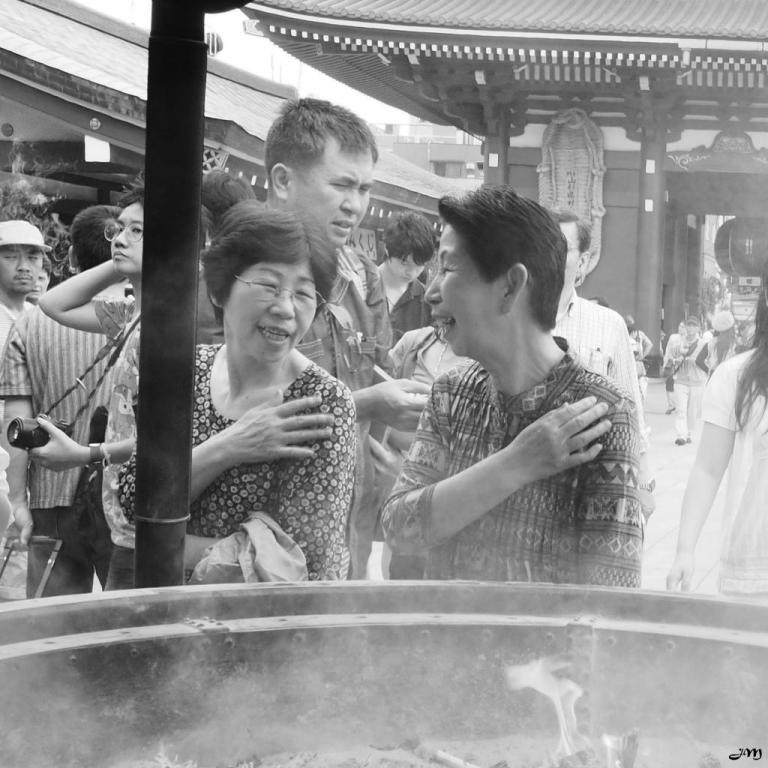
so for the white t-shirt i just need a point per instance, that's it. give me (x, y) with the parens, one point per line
(4, 461)
(744, 554)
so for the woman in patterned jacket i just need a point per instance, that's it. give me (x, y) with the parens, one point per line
(497, 486)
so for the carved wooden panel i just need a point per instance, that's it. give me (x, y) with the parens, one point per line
(571, 172)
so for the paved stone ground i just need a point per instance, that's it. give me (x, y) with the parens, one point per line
(671, 465)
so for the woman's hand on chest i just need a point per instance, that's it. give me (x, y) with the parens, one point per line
(277, 430)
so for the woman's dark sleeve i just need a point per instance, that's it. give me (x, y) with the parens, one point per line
(315, 494)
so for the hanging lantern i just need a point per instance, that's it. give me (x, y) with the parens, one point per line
(741, 246)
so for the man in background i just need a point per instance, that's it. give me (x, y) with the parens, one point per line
(409, 244)
(599, 336)
(22, 249)
(43, 359)
(43, 280)
(320, 160)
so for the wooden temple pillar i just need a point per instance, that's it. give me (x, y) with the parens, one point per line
(496, 149)
(650, 233)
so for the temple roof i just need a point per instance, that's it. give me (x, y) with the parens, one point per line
(70, 63)
(735, 19)
(97, 61)
(704, 63)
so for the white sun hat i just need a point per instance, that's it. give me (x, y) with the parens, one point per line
(723, 321)
(21, 233)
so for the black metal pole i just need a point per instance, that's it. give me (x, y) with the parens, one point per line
(174, 150)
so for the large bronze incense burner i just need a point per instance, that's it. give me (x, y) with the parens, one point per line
(222, 675)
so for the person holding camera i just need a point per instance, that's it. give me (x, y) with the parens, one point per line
(81, 302)
(42, 359)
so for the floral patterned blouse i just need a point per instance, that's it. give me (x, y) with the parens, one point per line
(309, 499)
(116, 316)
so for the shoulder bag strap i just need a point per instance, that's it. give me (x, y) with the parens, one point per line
(114, 346)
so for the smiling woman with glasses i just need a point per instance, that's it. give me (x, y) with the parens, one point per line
(273, 434)
(266, 291)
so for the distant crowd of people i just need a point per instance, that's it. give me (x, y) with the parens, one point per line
(458, 400)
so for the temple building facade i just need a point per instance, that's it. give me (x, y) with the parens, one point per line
(645, 118)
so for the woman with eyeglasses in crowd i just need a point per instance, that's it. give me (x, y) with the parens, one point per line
(87, 301)
(272, 432)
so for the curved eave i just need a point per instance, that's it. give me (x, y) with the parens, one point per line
(415, 67)
(368, 74)
(72, 100)
(729, 21)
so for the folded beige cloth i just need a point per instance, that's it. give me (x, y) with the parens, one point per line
(261, 551)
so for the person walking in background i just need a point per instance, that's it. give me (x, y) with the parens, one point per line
(690, 377)
(641, 346)
(671, 350)
(735, 436)
(409, 244)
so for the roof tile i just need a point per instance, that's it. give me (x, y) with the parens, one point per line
(116, 58)
(119, 63)
(738, 19)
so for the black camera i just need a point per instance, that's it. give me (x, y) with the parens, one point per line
(27, 433)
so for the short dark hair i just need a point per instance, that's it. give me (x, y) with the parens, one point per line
(86, 235)
(299, 134)
(583, 230)
(219, 192)
(134, 194)
(499, 229)
(410, 234)
(250, 233)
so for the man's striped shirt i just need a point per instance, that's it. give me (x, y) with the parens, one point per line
(42, 359)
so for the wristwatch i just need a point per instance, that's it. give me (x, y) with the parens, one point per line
(95, 453)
